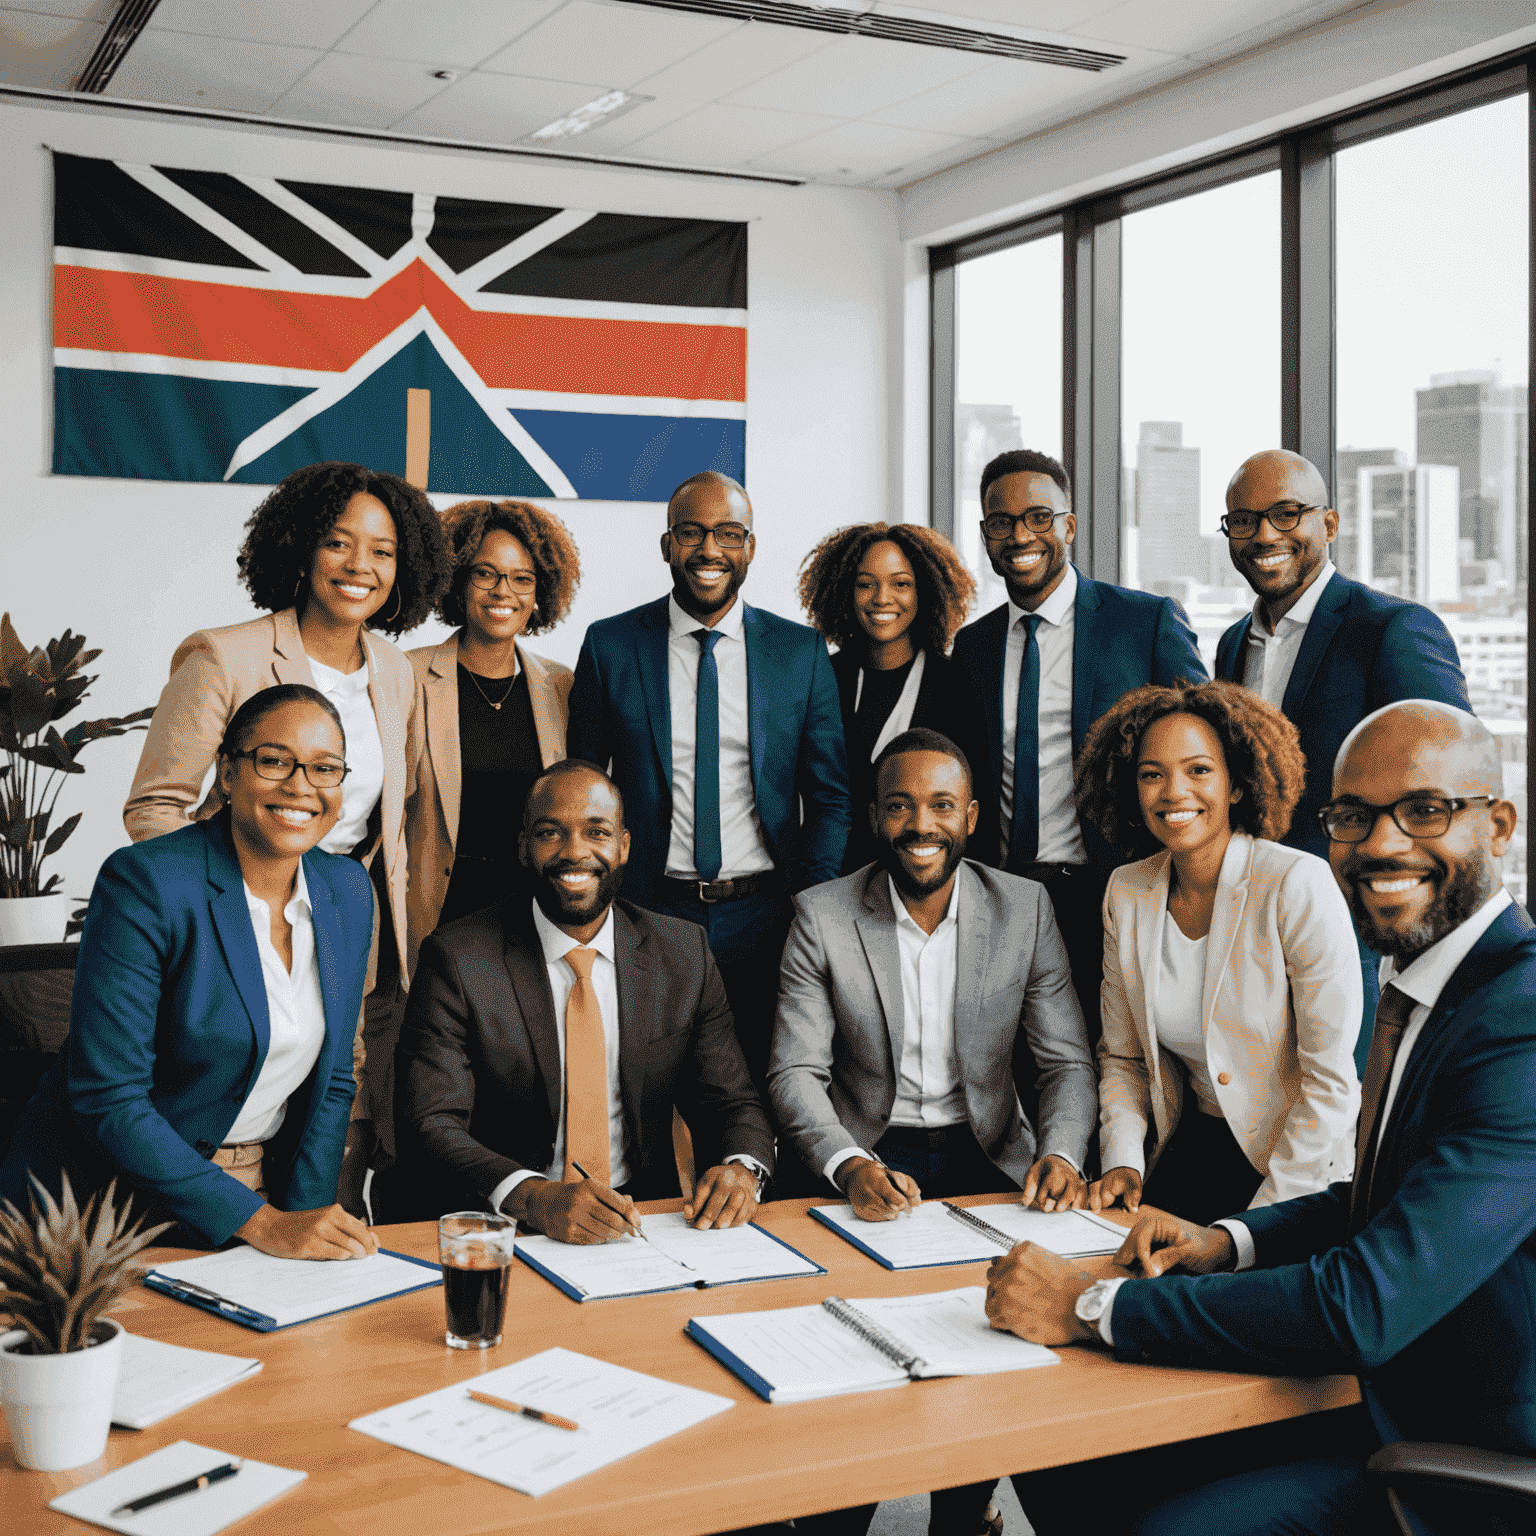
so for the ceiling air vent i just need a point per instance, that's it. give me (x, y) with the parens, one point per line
(896, 29)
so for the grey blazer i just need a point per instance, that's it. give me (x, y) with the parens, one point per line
(837, 1038)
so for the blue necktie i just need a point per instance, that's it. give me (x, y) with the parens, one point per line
(706, 761)
(1024, 835)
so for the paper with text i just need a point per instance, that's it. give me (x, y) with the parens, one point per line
(930, 1235)
(158, 1379)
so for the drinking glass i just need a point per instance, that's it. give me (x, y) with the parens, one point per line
(475, 1248)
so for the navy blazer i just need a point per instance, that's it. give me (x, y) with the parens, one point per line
(1121, 639)
(621, 715)
(1433, 1302)
(1362, 650)
(169, 1029)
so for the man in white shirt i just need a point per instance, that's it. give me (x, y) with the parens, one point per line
(546, 1043)
(1419, 1276)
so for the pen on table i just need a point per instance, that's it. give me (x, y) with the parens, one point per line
(638, 1230)
(528, 1413)
(187, 1290)
(176, 1490)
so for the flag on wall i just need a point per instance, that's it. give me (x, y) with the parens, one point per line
(220, 327)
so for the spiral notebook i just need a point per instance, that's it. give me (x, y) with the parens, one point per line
(794, 1354)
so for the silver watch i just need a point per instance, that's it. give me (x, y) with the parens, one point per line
(1093, 1302)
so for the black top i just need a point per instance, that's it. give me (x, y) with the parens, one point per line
(499, 757)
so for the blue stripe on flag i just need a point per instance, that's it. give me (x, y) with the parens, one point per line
(635, 458)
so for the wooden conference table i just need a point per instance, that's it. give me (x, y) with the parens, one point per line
(756, 1463)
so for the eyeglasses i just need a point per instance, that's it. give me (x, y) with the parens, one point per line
(275, 764)
(487, 579)
(1352, 821)
(998, 525)
(1243, 524)
(727, 535)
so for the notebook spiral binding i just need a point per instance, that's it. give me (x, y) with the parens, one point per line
(984, 1227)
(876, 1336)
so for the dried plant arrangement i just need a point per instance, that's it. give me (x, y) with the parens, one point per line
(62, 1267)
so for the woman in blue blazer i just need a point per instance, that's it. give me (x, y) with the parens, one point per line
(221, 969)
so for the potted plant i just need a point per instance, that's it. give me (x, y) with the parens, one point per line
(38, 687)
(61, 1269)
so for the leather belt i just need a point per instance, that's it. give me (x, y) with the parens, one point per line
(712, 891)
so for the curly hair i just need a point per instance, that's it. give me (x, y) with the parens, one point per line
(286, 529)
(1261, 747)
(556, 564)
(830, 573)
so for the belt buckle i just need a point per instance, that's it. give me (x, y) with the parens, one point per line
(704, 886)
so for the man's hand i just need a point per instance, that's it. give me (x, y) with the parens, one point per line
(725, 1196)
(1032, 1292)
(587, 1212)
(878, 1193)
(1160, 1242)
(1119, 1186)
(327, 1233)
(1053, 1184)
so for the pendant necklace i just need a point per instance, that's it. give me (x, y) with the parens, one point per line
(494, 703)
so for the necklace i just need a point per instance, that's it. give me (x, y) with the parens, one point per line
(494, 703)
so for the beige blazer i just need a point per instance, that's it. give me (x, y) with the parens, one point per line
(212, 674)
(1280, 1009)
(432, 816)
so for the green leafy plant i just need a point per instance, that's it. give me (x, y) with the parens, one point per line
(62, 1267)
(38, 687)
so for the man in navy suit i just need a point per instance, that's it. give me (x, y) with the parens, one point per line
(1322, 648)
(1419, 1276)
(722, 729)
(1044, 666)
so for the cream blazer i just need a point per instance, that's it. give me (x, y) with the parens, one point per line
(212, 674)
(1280, 1011)
(432, 816)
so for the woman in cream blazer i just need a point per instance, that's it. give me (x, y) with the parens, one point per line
(1227, 1078)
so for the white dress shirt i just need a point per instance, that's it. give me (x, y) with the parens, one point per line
(1061, 838)
(1178, 1020)
(742, 849)
(363, 785)
(929, 1090)
(295, 1016)
(1271, 658)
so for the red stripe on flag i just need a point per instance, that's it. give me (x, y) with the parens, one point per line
(105, 311)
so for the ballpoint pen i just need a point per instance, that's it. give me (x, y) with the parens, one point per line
(176, 1490)
(638, 1231)
(528, 1413)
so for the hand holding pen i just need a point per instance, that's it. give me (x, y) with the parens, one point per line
(588, 1212)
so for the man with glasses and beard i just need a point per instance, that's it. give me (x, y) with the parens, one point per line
(904, 985)
(542, 1035)
(1419, 1275)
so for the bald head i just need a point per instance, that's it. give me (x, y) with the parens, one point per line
(1275, 475)
(1422, 736)
(707, 486)
(573, 781)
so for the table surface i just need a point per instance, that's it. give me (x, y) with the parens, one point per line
(755, 1463)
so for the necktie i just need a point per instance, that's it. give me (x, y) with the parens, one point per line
(1024, 834)
(586, 1075)
(1392, 1011)
(706, 761)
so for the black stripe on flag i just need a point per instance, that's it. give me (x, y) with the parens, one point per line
(280, 232)
(97, 206)
(465, 231)
(629, 259)
(381, 220)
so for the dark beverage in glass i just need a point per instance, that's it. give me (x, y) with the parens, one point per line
(476, 1249)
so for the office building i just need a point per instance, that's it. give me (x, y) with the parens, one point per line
(1167, 489)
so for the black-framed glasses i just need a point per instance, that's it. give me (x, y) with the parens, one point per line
(487, 578)
(998, 525)
(1352, 821)
(727, 535)
(277, 765)
(1241, 523)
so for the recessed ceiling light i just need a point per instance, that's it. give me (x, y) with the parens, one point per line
(604, 109)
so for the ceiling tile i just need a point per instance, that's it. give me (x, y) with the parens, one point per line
(608, 45)
(434, 34)
(314, 24)
(498, 109)
(1039, 15)
(93, 10)
(856, 76)
(981, 104)
(44, 52)
(722, 135)
(1191, 24)
(197, 71)
(747, 54)
(863, 150)
(363, 93)
(620, 132)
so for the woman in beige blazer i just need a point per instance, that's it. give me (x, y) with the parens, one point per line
(1231, 994)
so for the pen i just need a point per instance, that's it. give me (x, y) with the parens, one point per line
(528, 1413)
(188, 1291)
(175, 1491)
(639, 1231)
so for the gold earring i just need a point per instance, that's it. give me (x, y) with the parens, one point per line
(396, 614)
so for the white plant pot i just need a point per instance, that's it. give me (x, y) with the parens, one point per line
(33, 919)
(59, 1407)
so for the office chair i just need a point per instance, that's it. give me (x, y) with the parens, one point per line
(36, 983)
(1446, 1489)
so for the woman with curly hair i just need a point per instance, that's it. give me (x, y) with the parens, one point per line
(1231, 993)
(891, 598)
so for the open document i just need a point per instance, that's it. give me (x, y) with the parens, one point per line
(157, 1379)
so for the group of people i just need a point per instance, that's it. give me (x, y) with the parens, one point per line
(724, 910)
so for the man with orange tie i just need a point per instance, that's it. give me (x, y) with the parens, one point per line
(546, 1043)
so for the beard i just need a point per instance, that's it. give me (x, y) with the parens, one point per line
(1460, 893)
(907, 883)
(560, 906)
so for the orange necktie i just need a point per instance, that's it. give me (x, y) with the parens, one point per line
(1393, 1009)
(586, 1075)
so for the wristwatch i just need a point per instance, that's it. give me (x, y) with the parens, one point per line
(1092, 1303)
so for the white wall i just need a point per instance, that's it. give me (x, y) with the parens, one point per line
(136, 565)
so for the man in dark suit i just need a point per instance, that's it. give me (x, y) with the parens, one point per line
(1324, 649)
(544, 1034)
(722, 729)
(1419, 1276)
(1044, 666)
